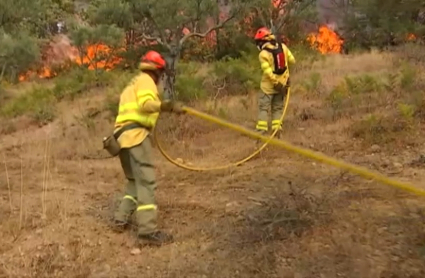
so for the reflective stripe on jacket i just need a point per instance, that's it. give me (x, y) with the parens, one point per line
(269, 79)
(132, 109)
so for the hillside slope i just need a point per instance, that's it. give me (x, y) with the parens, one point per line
(279, 215)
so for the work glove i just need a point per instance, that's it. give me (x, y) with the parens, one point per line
(172, 107)
(279, 87)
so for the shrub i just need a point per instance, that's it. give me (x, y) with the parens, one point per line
(239, 75)
(190, 82)
(379, 129)
(411, 53)
(228, 76)
(406, 111)
(359, 93)
(235, 74)
(313, 83)
(80, 80)
(336, 99)
(362, 84)
(407, 77)
(391, 83)
(17, 53)
(3, 94)
(420, 108)
(39, 103)
(305, 57)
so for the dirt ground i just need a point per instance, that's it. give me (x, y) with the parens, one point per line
(279, 215)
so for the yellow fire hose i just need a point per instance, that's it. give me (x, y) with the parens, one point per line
(361, 171)
(229, 165)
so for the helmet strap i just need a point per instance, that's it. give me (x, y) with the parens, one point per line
(155, 74)
(260, 44)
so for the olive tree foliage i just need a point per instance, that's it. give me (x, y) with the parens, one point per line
(38, 17)
(161, 23)
(379, 23)
(96, 38)
(17, 53)
(24, 26)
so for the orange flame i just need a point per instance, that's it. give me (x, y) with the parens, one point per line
(44, 72)
(326, 41)
(411, 37)
(97, 56)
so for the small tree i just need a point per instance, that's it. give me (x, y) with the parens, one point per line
(25, 25)
(17, 54)
(97, 45)
(285, 17)
(153, 22)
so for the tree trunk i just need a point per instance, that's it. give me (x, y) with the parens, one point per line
(170, 74)
(217, 33)
(3, 70)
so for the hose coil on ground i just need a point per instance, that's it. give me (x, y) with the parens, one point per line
(231, 164)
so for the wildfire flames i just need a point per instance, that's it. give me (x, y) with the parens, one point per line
(98, 56)
(326, 41)
(411, 37)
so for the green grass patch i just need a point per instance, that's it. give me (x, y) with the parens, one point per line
(39, 103)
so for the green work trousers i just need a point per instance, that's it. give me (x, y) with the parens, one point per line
(273, 103)
(140, 189)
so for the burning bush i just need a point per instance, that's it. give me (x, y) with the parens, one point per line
(93, 48)
(326, 41)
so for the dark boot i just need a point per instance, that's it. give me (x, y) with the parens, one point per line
(278, 134)
(156, 238)
(119, 226)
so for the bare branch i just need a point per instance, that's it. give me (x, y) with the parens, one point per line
(260, 14)
(150, 25)
(163, 40)
(150, 38)
(203, 35)
(296, 6)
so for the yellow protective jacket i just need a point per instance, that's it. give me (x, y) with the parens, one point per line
(139, 103)
(269, 79)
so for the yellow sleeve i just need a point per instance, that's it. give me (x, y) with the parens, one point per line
(266, 66)
(147, 100)
(290, 57)
(152, 106)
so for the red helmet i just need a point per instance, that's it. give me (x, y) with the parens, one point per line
(152, 60)
(264, 34)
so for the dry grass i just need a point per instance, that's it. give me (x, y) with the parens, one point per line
(279, 215)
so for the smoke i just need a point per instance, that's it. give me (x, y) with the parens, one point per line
(331, 12)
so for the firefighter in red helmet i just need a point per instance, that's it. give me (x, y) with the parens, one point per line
(139, 108)
(274, 59)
